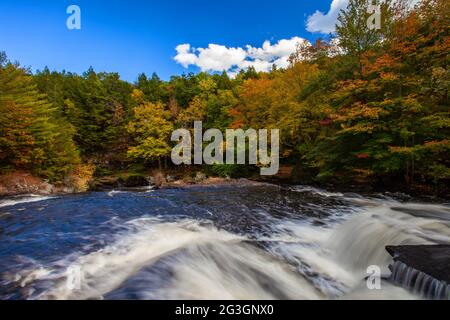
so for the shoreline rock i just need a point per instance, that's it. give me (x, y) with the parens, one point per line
(21, 183)
(117, 182)
(211, 181)
(423, 269)
(433, 260)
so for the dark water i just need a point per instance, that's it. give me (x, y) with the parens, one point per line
(228, 242)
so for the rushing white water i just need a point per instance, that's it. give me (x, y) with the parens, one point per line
(362, 240)
(25, 199)
(215, 265)
(151, 258)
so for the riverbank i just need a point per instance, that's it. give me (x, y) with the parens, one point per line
(22, 183)
(19, 183)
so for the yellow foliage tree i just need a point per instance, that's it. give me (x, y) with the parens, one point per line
(151, 129)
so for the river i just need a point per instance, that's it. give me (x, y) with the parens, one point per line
(244, 241)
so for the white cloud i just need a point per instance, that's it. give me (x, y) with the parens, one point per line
(218, 57)
(268, 51)
(258, 64)
(184, 57)
(326, 23)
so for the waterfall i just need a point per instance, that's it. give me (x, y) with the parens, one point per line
(361, 241)
(420, 283)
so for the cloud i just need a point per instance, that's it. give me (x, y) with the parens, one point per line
(326, 23)
(218, 57)
(184, 57)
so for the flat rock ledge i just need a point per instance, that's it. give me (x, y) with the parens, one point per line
(424, 269)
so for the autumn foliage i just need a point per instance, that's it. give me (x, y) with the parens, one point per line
(366, 106)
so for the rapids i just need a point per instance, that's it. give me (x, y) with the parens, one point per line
(219, 242)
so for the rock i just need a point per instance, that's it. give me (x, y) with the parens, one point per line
(170, 179)
(16, 183)
(425, 270)
(158, 179)
(200, 177)
(104, 183)
(433, 260)
(67, 190)
(46, 188)
(188, 180)
(3, 190)
(134, 181)
(112, 182)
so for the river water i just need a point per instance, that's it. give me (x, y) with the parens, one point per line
(245, 241)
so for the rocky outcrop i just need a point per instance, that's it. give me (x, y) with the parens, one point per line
(104, 183)
(425, 270)
(134, 181)
(117, 182)
(17, 183)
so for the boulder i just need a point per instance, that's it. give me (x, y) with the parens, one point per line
(433, 260)
(16, 183)
(46, 188)
(104, 183)
(425, 269)
(134, 181)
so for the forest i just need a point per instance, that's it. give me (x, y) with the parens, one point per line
(361, 106)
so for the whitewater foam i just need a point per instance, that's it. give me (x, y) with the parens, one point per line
(153, 258)
(24, 199)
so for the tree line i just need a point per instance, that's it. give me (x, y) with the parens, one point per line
(367, 106)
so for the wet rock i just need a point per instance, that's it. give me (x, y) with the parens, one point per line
(433, 259)
(134, 181)
(424, 269)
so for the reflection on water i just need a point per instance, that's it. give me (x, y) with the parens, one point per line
(227, 242)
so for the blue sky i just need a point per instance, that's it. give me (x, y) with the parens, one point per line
(137, 36)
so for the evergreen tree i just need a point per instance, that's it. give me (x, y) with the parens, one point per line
(33, 135)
